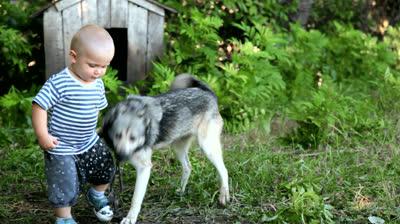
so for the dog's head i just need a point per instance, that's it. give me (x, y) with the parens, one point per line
(132, 125)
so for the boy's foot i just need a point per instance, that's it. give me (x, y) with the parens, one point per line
(65, 221)
(101, 207)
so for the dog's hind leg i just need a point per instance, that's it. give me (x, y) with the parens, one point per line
(209, 140)
(182, 149)
(141, 160)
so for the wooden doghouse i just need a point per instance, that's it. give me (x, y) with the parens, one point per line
(137, 27)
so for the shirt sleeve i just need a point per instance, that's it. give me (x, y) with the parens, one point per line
(103, 100)
(47, 96)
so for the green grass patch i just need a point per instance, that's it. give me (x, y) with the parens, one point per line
(268, 184)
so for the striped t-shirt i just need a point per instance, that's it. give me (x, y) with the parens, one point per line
(73, 109)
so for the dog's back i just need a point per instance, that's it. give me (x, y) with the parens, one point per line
(187, 103)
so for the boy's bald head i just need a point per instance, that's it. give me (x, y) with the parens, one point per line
(93, 40)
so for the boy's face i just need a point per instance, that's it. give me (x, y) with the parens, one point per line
(88, 66)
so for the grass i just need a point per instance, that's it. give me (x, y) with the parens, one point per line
(269, 183)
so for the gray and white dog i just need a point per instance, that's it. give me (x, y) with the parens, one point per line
(140, 124)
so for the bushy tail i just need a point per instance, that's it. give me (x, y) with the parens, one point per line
(185, 80)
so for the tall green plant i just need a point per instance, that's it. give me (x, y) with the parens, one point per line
(251, 87)
(19, 44)
(194, 49)
(15, 107)
(14, 48)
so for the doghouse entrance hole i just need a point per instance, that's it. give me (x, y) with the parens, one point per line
(120, 60)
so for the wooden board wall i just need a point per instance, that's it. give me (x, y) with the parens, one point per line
(155, 36)
(144, 21)
(72, 22)
(53, 41)
(137, 43)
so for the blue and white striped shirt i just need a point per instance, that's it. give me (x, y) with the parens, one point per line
(73, 109)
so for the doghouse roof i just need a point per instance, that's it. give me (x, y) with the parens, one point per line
(60, 7)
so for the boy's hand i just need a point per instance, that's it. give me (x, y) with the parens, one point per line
(48, 142)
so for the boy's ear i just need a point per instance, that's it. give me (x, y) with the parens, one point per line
(72, 55)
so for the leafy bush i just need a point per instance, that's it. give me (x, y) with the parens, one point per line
(196, 49)
(13, 48)
(162, 79)
(20, 44)
(16, 108)
(333, 83)
(307, 205)
(113, 86)
(247, 81)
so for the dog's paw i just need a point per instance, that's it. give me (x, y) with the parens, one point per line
(128, 220)
(180, 191)
(224, 196)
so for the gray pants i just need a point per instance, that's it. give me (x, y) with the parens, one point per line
(66, 173)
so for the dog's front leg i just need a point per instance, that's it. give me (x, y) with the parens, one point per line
(141, 160)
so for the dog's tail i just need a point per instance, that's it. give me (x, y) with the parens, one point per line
(185, 80)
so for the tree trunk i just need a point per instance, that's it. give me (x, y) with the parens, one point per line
(303, 11)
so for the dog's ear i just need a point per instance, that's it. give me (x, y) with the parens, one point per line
(152, 131)
(108, 121)
(153, 114)
(152, 108)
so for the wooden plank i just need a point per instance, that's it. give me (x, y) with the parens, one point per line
(163, 6)
(137, 43)
(155, 36)
(72, 22)
(89, 12)
(119, 13)
(104, 13)
(149, 6)
(53, 41)
(61, 5)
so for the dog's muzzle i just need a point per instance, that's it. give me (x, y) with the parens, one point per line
(122, 156)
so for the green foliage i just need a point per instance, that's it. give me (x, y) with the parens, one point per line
(389, 92)
(113, 86)
(13, 48)
(196, 49)
(248, 80)
(248, 11)
(14, 14)
(257, 11)
(355, 55)
(330, 82)
(347, 12)
(162, 79)
(16, 108)
(392, 40)
(306, 50)
(317, 116)
(20, 44)
(307, 205)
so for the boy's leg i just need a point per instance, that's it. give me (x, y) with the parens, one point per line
(62, 182)
(101, 187)
(63, 216)
(64, 212)
(98, 167)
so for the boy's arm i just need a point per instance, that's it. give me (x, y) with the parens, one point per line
(39, 123)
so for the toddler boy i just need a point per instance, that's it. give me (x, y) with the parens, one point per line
(64, 118)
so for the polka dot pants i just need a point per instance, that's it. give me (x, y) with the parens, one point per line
(66, 173)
